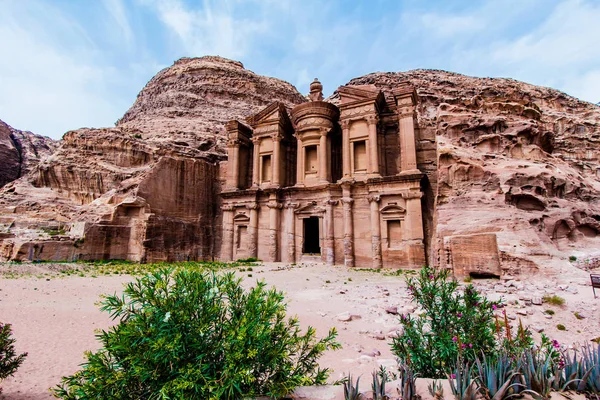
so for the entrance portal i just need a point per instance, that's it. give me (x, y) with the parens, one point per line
(311, 236)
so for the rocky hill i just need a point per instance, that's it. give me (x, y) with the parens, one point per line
(21, 151)
(146, 189)
(501, 157)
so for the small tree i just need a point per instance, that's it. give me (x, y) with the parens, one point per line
(196, 335)
(9, 360)
(451, 322)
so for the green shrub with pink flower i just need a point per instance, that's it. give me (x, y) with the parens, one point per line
(452, 322)
(457, 335)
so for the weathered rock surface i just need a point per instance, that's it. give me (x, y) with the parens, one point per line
(513, 172)
(20, 152)
(146, 189)
(504, 158)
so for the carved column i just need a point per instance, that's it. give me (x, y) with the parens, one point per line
(291, 232)
(300, 161)
(414, 218)
(348, 226)
(253, 230)
(406, 129)
(346, 149)
(227, 244)
(274, 208)
(256, 162)
(375, 231)
(276, 160)
(329, 242)
(233, 180)
(323, 156)
(373, 145)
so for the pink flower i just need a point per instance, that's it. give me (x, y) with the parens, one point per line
(494, 307)
(555, 344)
(470, 345)
(459, 315)
(453, 376)
(462, 346)
(454, 339)
(430, 276)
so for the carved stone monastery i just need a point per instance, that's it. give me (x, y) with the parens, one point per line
(337, 184)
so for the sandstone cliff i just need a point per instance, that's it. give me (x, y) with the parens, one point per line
(146, 189)
(509, 165)
(508, 158)
(21, 151)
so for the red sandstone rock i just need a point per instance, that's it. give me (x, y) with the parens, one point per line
(20, 152)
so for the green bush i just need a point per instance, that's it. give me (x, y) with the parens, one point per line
(9, 360)
(554, 300)
(452, 323)
(198, 335)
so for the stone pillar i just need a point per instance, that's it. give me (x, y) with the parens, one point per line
(290, 229)
(276, 160)
(227, 240)
(346, 149)
(373, 145)
(348, 226)
(300, 162)
(323, 157)
(375, 231)
(406, 129)
(233, 155)
(256, 162)
(253, 230)
(274, 208)
(414, 220)
(329, 242)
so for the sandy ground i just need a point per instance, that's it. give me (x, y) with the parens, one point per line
(54, 319)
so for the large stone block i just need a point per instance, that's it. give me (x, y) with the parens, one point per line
(475, 254)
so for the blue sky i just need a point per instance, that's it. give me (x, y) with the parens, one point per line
(66, 64)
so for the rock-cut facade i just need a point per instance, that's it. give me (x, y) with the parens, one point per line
(326, 182)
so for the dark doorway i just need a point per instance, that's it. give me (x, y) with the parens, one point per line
(311, 236)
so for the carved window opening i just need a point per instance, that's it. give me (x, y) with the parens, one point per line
(242, 231)
(394, 231)
(266, 168)
(312, 159)
(360, 156)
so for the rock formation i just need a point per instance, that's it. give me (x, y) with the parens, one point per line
(21, 151)
(513, 172)
(146, 190)
(511, 166)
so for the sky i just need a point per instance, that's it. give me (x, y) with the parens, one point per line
(67, 64)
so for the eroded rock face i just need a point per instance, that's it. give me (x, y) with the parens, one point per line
(147, 189)
(20, 152)
(506, 158)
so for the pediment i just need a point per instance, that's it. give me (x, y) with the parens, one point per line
(310, 208)
(359, 95)
(393, 211)
(273, 113)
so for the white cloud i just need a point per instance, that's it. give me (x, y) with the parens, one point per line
(117, 11)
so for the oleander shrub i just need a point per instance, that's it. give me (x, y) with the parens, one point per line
(185, 334)
(452, 322)
(9, 359)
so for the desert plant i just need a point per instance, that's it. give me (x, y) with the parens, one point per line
(9, 360)
(461, 383)
(194, 334)
(436, 389)
(452, 322)
(380, 378)
(495, 376)
(537, 369)
(408, 381)
(553, 300)
(590, 355)
(351, 391)
(561, 327)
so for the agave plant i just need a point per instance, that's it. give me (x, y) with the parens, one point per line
(351, 391)
(496, 376)
(408, 378)
(461, 382)
(436, 389)
(571, 373)
(538, 373)
(590, 355)
(379, 379)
